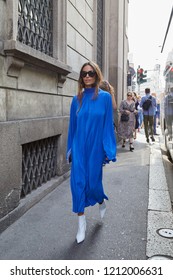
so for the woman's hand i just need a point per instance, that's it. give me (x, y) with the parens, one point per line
(106, 160)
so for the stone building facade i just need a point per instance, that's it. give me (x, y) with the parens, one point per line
(43, 44)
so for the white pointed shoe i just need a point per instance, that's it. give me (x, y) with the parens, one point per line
(102, 209)
(81, 229)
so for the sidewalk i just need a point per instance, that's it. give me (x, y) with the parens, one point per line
(129, 231)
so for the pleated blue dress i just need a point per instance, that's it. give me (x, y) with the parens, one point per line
(91, 139)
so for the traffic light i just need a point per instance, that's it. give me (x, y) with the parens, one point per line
(138, 75)
(141, 76)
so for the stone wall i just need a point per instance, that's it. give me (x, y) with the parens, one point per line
(36, 89)
(80, 32)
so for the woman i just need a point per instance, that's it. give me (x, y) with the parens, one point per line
(135, 99)
(105, 85)
(91, 141)
(126, 128)
(140, 114)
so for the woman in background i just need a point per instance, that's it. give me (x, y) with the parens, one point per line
(135, 99)
(140, 114)
(126, 128)
(105, 85)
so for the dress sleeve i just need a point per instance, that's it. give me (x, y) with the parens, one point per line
(72, 127)
(109, 140)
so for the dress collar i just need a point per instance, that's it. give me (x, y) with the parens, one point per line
(89, 90)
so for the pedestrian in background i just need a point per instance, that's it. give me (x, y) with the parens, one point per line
(140, 114)
(148, 114)
(135, 99)
(91, 141)
(106, 86)
(158, 113)
(126, 128)
(155, 115)
(155, 110)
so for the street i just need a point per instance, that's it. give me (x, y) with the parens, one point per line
(47, 231)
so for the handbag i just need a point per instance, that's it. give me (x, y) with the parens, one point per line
(124, 117)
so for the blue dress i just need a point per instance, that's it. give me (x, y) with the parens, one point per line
(91, 139)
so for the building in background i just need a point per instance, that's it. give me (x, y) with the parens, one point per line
(43, 44)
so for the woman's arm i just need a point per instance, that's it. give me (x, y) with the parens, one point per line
(114, 103)
(72, 127)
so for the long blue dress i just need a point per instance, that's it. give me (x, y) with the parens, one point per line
(91, 139)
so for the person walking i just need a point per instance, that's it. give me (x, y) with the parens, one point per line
(140, 114)
(91, 142)
(127, 120)
(158, 113)
(148, 103)
(155, 115)
(135, 99)
(106, 86)
(154, 121)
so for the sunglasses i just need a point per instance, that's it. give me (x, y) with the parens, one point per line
(89, 73)
(129, 95)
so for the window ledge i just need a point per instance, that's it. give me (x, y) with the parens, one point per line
(19, 54)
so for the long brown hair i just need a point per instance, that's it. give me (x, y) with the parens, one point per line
(99, 78)
(105, 85)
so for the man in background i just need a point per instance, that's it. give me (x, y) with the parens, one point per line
(148, 114)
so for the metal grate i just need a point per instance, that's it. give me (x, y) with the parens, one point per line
(35, 23)
(100, 33)
(39, 163)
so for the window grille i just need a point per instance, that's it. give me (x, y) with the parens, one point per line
(39, 163)
(99, 33)
(35, 23)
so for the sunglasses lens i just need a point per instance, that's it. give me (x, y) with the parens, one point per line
(83, 74)
(90, 74)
